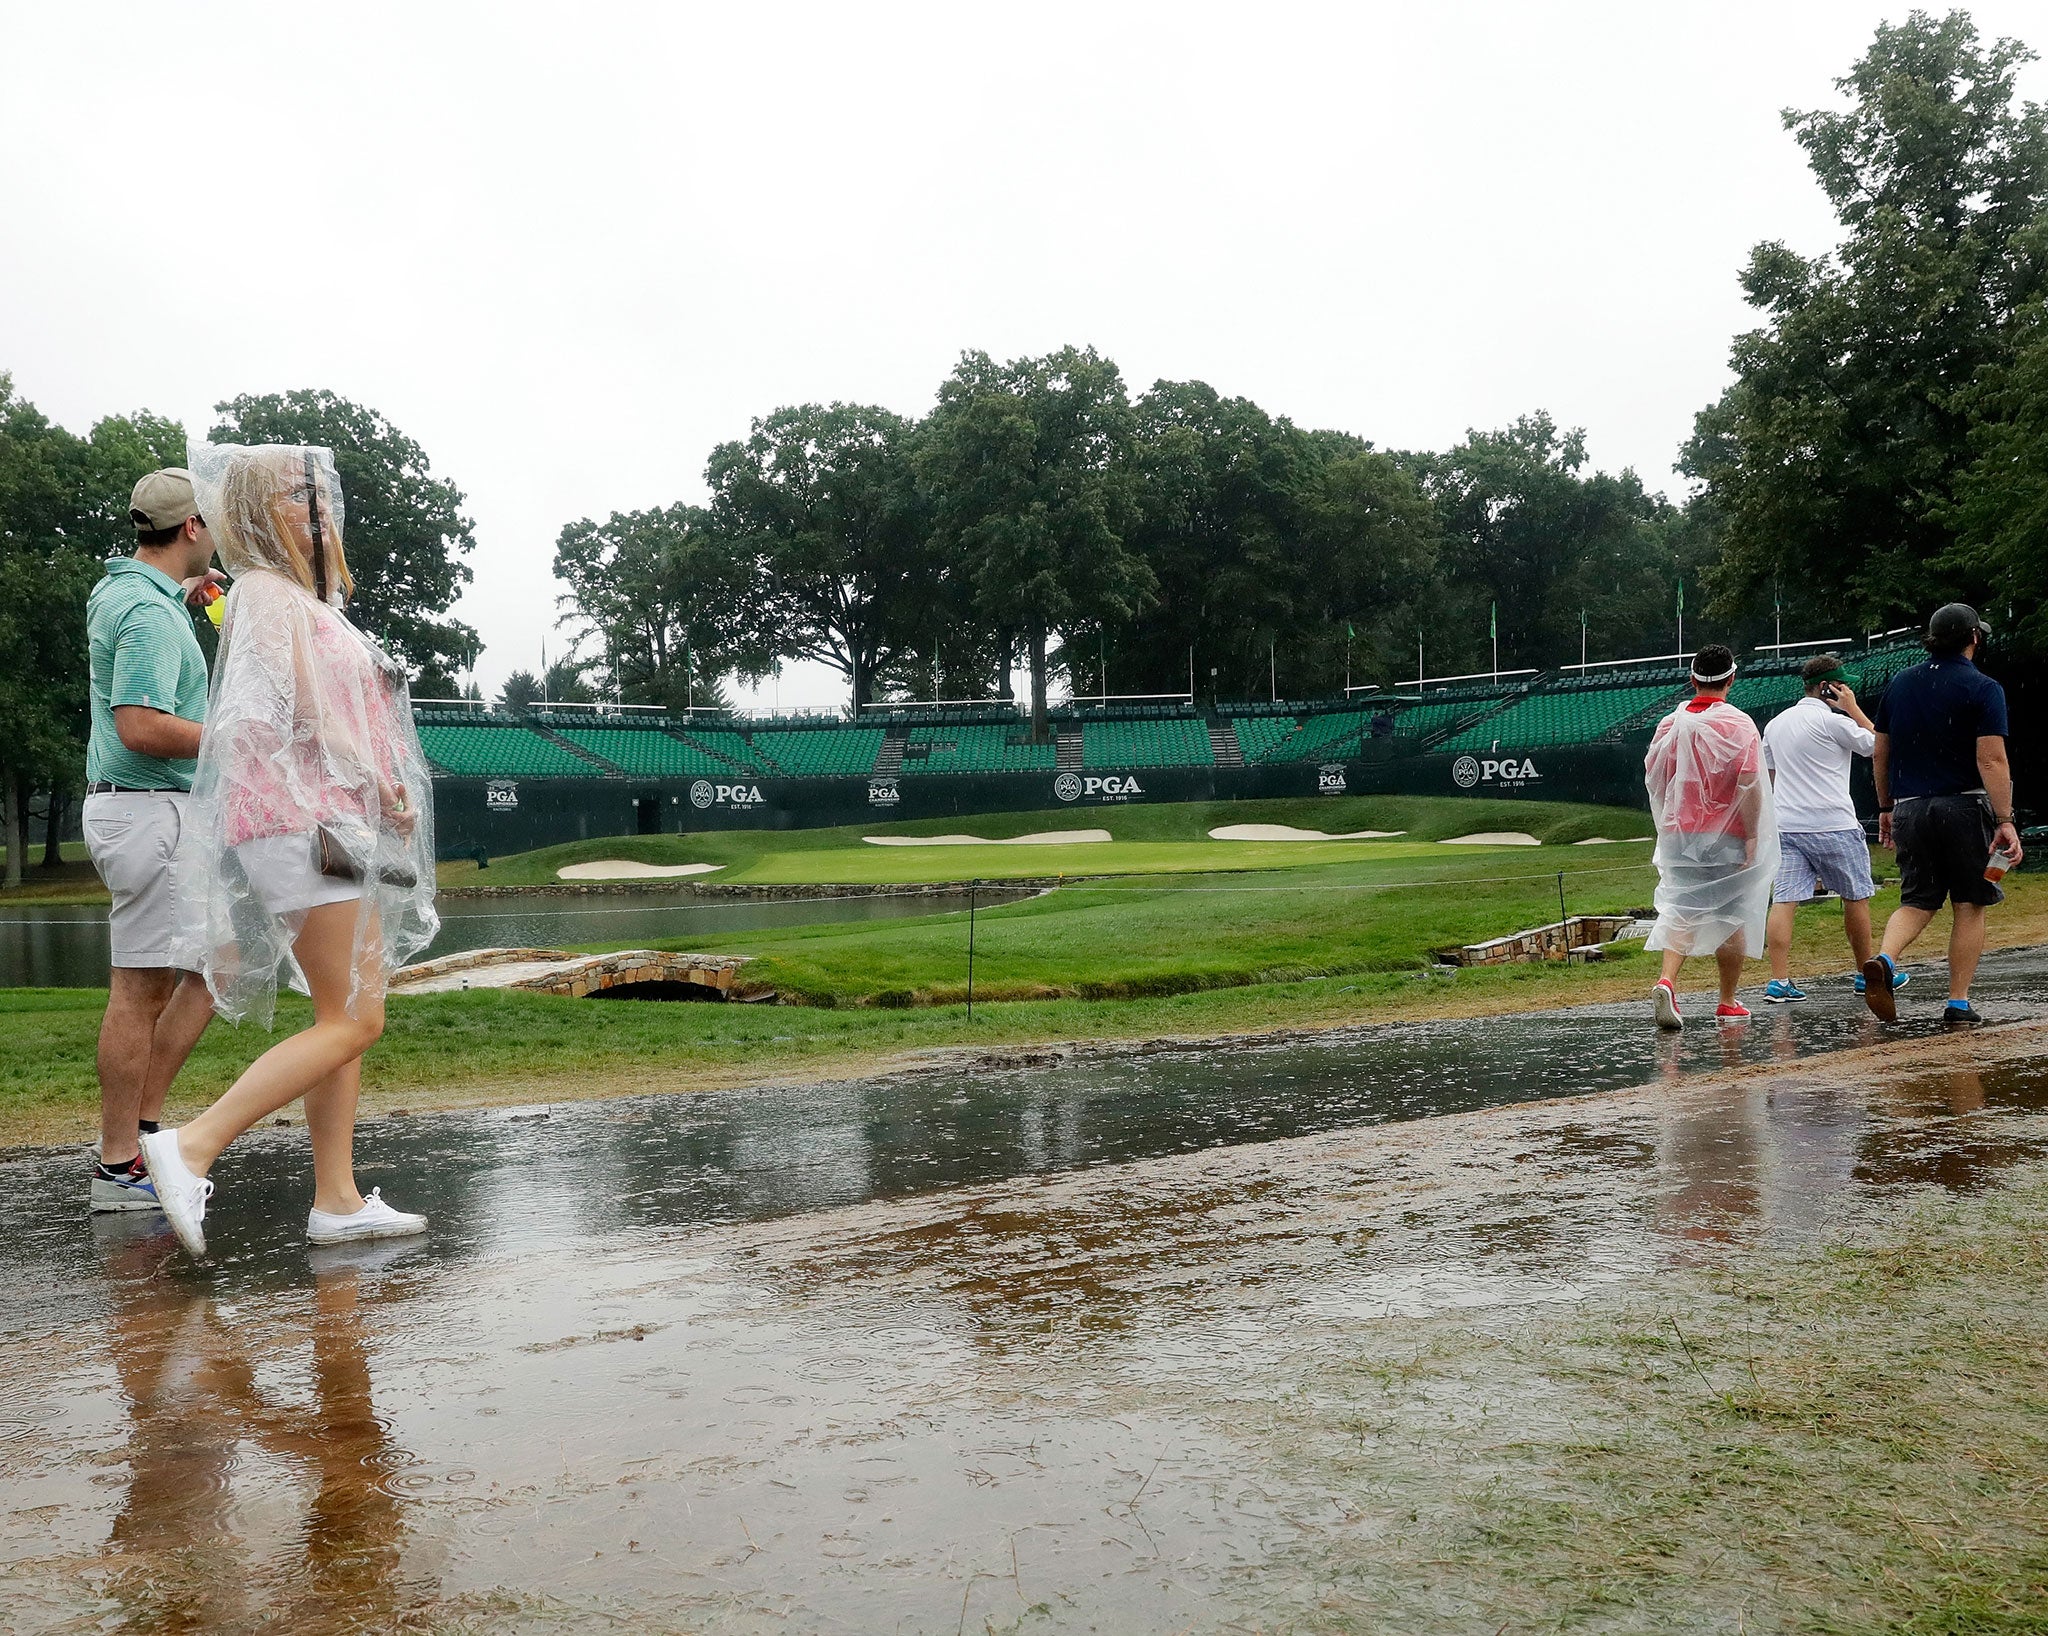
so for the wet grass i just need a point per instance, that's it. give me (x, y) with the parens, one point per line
(496, 1047)
(1132, 938)
(1847, 1440)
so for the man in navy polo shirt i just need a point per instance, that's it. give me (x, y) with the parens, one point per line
(1944, 802)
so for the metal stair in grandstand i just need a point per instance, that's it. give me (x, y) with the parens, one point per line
(573, 748)
(1223, 745)
(1068, 756)
(712, 750)
(889, 759)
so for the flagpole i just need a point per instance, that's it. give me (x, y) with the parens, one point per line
(1493, 624)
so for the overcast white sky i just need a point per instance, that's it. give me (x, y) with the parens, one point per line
(568, 249)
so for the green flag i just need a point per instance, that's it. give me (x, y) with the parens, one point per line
(1681, 596)
(1349, 633)
(1493, 621)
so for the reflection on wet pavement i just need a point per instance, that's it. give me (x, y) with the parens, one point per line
(924, 1355)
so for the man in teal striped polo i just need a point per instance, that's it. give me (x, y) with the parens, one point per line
(148, 702)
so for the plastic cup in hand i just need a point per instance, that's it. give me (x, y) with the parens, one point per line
(2001, 861)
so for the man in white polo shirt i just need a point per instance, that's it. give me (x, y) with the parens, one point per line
(1809, 750)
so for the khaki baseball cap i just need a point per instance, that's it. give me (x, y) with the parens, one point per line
(163, 499)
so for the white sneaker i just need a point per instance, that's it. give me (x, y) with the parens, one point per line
(376, 1219)
(182, 1195)
(1665, 998)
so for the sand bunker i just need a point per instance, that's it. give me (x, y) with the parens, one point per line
(1618, 840)
(625, 869)
(1287, 832)
(1044, 837)
(1493, 837)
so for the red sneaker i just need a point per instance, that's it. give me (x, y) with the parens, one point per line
(1665, 998)
(1732, 1013)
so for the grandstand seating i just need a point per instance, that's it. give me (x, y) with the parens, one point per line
(985, 749)
(735, 749)
(1763, 696)
(820, 751)
(475, 741)
(1180, 741)
(500, 752)
(1259, 735)
(646, 753)
(1570, 715)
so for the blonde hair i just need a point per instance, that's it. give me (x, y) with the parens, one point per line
(279, 507)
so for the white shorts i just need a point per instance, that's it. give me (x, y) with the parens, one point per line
(284, 873)
(133, 842)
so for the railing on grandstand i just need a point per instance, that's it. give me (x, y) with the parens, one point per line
(1426, 682)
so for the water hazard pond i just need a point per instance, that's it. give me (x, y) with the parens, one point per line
(65, 945)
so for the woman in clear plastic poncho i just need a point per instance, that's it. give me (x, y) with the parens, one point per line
(1717, 843)
(307, 851)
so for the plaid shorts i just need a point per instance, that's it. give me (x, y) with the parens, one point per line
(1838, 860)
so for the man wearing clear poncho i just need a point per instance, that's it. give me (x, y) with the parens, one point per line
(1717, 841)
(307, 852)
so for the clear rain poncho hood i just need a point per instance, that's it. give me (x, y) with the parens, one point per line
(1717, 837)
(308, 730)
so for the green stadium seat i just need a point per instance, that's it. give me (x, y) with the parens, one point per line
(646, 752)
(1258, 736)
(1572, 714)
(820, 752)
(1177, 741)
(984, 749)
(501, 752)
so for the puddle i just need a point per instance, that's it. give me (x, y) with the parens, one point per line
(65, 945)
(920, 1355)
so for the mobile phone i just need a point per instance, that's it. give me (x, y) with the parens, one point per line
(1829, 692)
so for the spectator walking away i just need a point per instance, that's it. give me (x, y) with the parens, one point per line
(1716, 842)
(1944, 803)
(148, 698)
(1809, 750)
(308, 850)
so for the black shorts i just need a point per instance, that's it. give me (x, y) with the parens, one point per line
(1944, 842)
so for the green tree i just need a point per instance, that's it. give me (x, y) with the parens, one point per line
(63, 512)
(2002, 497)
(1832, 461)
(520, 693)
(406, 534)
(822, 503)
(669, 601)
(1277, 552)
(1529, 532)
(1027, 469)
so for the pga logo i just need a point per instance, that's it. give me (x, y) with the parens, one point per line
(882, 792)
(1330, 778)
(502, 796)
(704, 793)
(1467, 771)
(1110, 786)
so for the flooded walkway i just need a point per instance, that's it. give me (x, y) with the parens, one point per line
(950, 1352)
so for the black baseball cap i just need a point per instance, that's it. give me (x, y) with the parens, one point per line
(1955, 626)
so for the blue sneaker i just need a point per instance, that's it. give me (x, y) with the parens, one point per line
(123, 1187)
(1779, 991)
(1900, 978)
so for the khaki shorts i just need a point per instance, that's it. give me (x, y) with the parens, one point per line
(133, 840)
